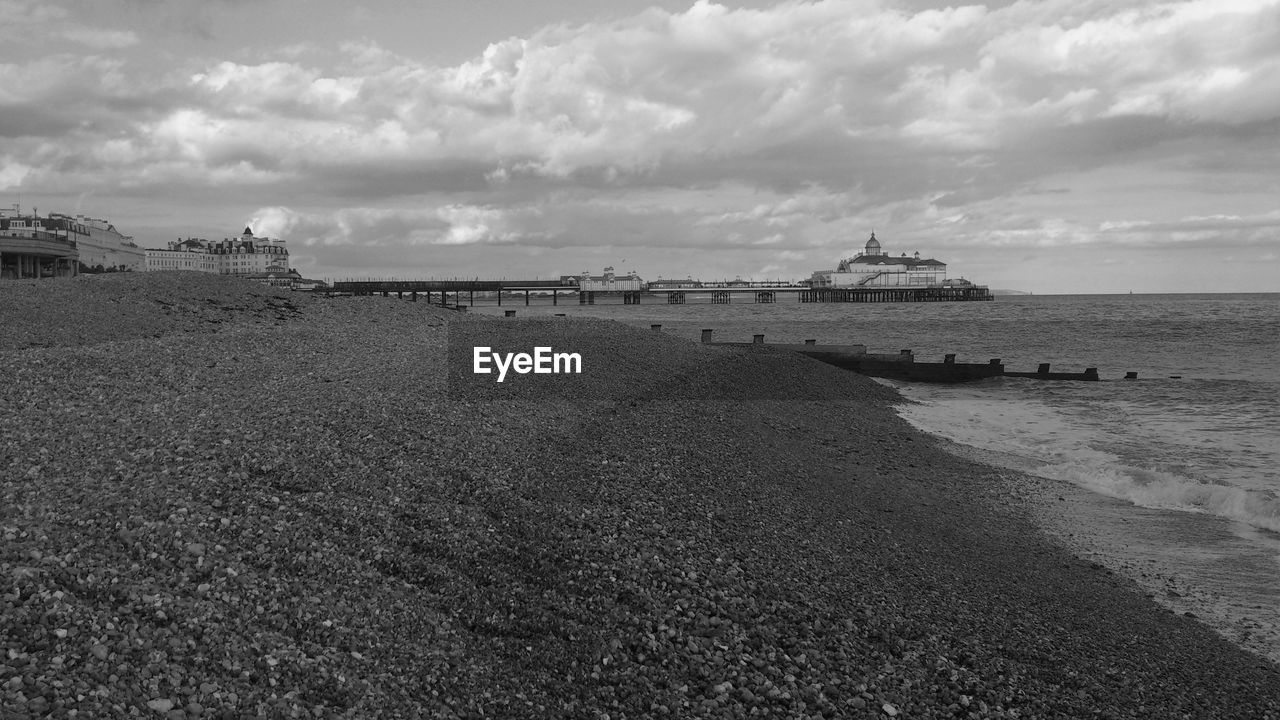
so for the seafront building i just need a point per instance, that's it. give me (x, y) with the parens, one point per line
(608, 282)
(102, 248)
(29, 250)
(873, 267)
(244, 255)
(260, 259)
(60, 245)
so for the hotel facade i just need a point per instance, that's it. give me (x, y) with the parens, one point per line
(245, 255)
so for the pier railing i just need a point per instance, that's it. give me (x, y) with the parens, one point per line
(714, 293)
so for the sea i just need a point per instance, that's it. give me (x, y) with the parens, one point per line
(1171, 479)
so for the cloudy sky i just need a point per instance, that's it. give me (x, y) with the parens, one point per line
(1051, 146)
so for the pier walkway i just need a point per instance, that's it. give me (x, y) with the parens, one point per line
(714, 293)
(413, 288)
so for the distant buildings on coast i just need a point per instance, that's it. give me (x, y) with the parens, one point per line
(62, 246)
(58, 245)
(261, 259)
(243, 255)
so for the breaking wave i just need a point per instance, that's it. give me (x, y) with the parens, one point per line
(1108, 475)
(1072, 445)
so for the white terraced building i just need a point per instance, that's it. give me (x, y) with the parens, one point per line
(245, 255)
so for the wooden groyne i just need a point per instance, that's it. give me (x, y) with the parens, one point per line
(903, 365)
(1042, 373)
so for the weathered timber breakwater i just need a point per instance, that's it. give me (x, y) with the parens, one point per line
(221, 501)
(903, 365)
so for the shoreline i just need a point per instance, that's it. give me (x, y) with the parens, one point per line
(291, 508)
(1175, 568)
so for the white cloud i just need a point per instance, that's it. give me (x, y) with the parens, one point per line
(445, 224)
(12, 175)
(799, 126)
(469, 225)
(710, 85)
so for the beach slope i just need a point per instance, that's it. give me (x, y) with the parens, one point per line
(223, 500)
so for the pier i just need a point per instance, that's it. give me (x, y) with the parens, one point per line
(897, 294)
(712, 293)
(427, 288)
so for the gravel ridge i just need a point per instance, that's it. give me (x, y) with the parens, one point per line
(224, 500)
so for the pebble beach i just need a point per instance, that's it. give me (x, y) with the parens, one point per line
(219, 499)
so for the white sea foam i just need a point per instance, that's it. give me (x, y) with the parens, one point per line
(1196, 542)
(1105, 473)
(1034, 437)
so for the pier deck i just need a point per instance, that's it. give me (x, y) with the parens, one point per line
(713, 293)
